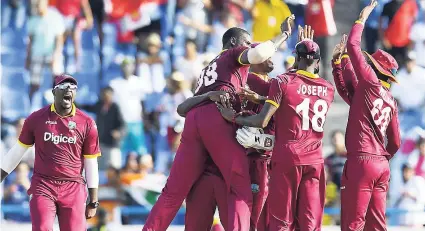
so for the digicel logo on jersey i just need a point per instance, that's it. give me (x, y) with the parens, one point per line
(56, 139)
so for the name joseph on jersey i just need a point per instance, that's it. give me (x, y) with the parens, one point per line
(312, 90)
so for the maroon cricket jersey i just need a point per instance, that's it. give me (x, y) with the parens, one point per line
(373, 112)
(303, 100)
(226, 73)
(61, 143)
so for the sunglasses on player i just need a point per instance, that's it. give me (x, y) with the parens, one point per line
(64, 86)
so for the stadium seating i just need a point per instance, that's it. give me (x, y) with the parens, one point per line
(15, 78)
(14, 104)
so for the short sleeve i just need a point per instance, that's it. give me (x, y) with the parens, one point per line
(236, 54)
(26, 138)
(91, 147)
(275, 92)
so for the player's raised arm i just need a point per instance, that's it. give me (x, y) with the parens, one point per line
(267, 49)
(337, 71)
(349, 75)
(362, 69)
(215, 96)
(393, 135)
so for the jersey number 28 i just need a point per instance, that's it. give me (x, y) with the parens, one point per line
(320, 108)
(208, 76)
(381, 116)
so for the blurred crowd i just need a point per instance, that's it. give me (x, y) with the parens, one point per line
(137, 60)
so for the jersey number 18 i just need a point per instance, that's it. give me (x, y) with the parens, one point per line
(320, 108)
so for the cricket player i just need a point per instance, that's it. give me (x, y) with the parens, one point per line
(205, 196)
(66, 143)
(207, 134)
(301, 101)
(372, 135)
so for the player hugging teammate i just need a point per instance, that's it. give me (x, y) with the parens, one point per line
(225, 157)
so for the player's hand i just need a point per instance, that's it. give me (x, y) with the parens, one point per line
(246, 136)
(227, 112)
(250, 137)
(364, 14)
(249, 95)
(340, 48)
(287, 24)
(221, 97)
(90, 212)
(305, 33)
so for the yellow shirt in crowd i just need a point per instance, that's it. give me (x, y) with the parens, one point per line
(268, 15)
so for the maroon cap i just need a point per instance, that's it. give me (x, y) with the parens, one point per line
(385, 63)
(308, 49)
(64, 78)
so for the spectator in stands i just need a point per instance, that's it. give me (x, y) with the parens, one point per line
(319, 14)
(417, 158)
(417, 39)
(152, 64)
(111, 126)
(371, 30)
(190, 65)
(400, 16)
(130, 171)
(215, 31)
(113, 177)
(16, 192)
(331, 198)
(267, 16)
(71, 11)
(335, 162)
(195, 11)
(129, 91)
(45, 30)
(410, 198)
(146, 165)
(11, 139)
(411, 79)
(170, 123)
(13, 13)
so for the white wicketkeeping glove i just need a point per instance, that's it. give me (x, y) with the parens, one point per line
(250, 137)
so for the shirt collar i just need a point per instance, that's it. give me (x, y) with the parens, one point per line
(385, 84)
(74, 109)
(307, 74)
(263, 77)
